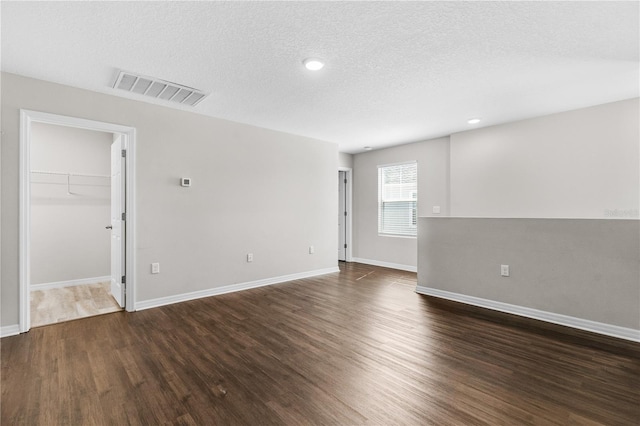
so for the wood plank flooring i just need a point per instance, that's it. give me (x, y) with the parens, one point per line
(358, 347)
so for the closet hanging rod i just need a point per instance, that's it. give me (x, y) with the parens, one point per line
(44, 172)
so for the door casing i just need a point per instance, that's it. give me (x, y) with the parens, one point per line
(27, 117)
(349, 208)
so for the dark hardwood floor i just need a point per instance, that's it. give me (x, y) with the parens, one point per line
(358, 347)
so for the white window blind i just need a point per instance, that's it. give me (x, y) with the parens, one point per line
(398, 199)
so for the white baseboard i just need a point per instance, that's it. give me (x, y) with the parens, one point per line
(579, 323)
(9, 330)
(70, 283)
(399, 266)
(154, 303)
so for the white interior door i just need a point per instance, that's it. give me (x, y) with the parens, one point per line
(342, 219)
(117, 224)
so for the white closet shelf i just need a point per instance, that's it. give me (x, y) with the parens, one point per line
(45, 172)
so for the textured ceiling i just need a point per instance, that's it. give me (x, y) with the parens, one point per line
(395, 72)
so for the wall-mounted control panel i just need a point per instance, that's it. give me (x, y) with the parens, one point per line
(185, 181)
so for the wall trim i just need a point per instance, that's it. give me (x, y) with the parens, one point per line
(399, 266)
(9, 330)
(162, 301)
(568, 321)
(69, 283)
(529, 218)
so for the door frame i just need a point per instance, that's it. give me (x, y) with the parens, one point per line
(349, 206)
(27, 117)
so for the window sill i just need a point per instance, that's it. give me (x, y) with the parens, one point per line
(413, 237)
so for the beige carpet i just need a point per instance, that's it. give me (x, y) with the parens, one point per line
(68, 303)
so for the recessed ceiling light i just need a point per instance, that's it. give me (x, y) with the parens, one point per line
(474, 121)
(313, 64)
(367, 148)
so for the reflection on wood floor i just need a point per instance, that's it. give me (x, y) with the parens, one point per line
(55, 305)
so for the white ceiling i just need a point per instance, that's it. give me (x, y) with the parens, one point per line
(395, 72)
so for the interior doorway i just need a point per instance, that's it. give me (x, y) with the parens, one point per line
(76, 250)
(344, 214)
(71, 195)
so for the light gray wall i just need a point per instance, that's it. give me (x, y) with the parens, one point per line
(68, 236)
(579, 164)
(433, 178)
(583, 268)
(576, 164)
(254, 190)
(345, 160)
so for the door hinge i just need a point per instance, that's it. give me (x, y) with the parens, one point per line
(345, 213)
(124, 279)
(124, 152)
(345, 181)
(124, 216)
(345, 246)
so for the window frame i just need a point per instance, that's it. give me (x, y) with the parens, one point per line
(410, 211)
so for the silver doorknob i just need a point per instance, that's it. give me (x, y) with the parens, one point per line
(108, 227)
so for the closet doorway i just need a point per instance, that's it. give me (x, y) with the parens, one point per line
(76, 218)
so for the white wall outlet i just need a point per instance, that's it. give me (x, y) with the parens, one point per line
(311, 250)
(249, 257)
(436, 210)
(504, 270)
(155, 268)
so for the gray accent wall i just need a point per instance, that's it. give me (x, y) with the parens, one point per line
(583, 268)
(253, 190)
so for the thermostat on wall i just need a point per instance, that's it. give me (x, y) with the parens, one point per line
(185, 181)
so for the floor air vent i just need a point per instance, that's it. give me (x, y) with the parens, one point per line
(159, 89)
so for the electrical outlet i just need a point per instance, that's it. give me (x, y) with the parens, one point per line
(311, 250)
(155, 268)
(249, 257)
(436, 210)
(504, 270)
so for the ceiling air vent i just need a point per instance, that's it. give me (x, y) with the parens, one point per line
(159, 89)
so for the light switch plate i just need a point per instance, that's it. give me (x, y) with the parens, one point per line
(504, 270)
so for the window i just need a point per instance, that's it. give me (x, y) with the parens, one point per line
(398, 199)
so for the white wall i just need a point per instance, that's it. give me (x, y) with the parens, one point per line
(254, 190)
(345, 160)
(433, 177)
(68, 236)
(576, 164)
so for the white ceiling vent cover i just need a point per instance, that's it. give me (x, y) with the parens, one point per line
(159, 89)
